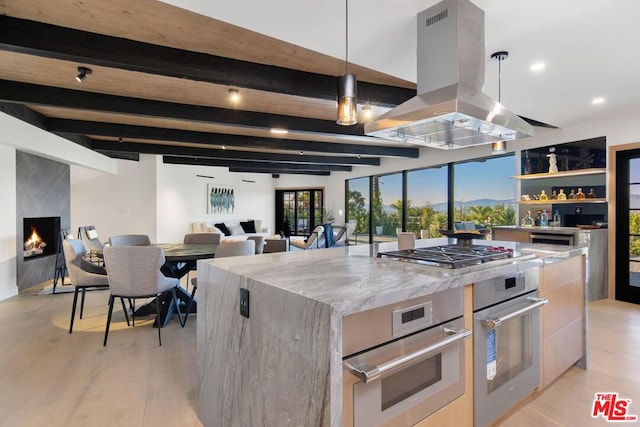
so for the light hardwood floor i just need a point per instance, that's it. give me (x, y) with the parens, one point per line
(51, 378)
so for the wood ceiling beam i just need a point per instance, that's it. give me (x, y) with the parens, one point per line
(51, 41)
(177, 135)
(267, 167)
(290, 172)
(11, 91)
(145, 148)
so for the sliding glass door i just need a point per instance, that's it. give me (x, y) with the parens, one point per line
(302, 210)
(628, 226)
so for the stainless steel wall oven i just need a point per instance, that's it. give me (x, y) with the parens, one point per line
(403, 362)
(506, 343)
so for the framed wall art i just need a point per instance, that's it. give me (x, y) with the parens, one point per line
(220, 199)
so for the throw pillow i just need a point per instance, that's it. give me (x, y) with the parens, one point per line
(213, 229)
(248, 226)
(223, 228)
(235, 230)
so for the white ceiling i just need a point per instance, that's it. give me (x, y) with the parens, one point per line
(590, 47)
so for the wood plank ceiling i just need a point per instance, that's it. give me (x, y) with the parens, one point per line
(160, 80)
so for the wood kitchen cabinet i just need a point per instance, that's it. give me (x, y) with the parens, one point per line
(510, 235)
(563, 318)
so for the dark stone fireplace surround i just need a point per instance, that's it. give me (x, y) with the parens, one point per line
(43, 189)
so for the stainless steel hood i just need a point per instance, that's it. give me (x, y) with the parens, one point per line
(450, 110)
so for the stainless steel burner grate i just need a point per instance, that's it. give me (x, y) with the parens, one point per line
(451, 256)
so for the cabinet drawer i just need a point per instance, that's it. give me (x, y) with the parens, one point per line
(566, 304)
(562, 272)
(561, 350)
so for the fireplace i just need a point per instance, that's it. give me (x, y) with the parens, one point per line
(40, 236)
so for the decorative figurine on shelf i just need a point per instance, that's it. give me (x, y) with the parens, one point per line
(543, 195)
(561, 195)
(525, 197)
(580, 194)
(553, 163)
(554, 195)
(572, 194)
(527, 220)
(591, 194)
(527, 163)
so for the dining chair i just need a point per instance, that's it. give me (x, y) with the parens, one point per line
(89, 235)
(225, 249)
(80, 274)
(130, 240)
(202, 239)
(314, 237)
(60, 271)
(134, 272)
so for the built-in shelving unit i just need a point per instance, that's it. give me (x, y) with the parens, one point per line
(563, 174)
(559, 202)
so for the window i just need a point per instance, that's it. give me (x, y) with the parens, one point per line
(357, 191)
(484, 192)
(427, 201)
(386, 206)
(303, 209)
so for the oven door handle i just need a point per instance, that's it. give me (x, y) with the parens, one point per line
(367, 373)
(494, 322)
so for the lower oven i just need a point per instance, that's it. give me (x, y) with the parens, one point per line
(403, 362)
(506, 343)
(553, 239)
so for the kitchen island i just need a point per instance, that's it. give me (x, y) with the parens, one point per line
(282, 366)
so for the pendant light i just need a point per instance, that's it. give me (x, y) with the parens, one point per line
(347, 84)
(499, 147)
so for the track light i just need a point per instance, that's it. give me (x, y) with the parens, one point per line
(83, 72)
(234, 95)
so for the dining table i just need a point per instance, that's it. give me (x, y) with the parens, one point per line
(180, 259)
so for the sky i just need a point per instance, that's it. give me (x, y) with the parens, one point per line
(490, 179)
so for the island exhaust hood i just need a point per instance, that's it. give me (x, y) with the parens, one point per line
(450, 110)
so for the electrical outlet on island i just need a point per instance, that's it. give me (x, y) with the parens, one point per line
(244, 302)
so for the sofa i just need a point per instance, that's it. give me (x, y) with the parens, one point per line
(232, 229)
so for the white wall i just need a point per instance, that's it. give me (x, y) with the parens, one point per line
(8, 275)
(116, 204)
(182, 198)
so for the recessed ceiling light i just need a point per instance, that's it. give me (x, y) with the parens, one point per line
(598, 100)
(234, 95)
(279, 131)
(224, 147)
(538, 66)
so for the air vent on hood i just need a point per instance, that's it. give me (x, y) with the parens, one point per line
(450, 110)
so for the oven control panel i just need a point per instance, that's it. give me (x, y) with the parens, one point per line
(411, 319)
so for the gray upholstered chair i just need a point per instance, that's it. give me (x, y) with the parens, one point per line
(314, 240)
(226, 249)
(89, 235)
(80, 274)
(134, 272)
(130, 240)
(202, 238)
(260, 240)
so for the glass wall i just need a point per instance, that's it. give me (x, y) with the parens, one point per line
(386, 206)
(427, 201)
(357, 191)
(484, 191)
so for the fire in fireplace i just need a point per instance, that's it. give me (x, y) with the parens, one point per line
(40, 236)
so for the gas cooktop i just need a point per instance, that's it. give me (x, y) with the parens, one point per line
(453, 256)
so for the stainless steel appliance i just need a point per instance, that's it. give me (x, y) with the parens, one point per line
(455, 256)
(506, 344)
(404, 361)
(552, 238)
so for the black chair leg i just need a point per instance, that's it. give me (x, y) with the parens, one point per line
(124, 309)
(82, 303)
(158, 320)
(106, 331)
(73, 308)
(190, 304)
(177, 304)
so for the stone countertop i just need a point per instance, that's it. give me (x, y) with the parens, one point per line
(352, 279)
(552, 230)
